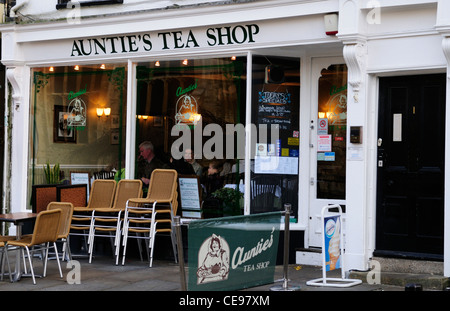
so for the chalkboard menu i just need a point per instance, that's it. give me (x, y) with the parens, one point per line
(275, 108)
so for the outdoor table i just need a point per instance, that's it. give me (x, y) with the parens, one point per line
(18, 219)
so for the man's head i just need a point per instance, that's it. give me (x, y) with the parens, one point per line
(189, 155)
(146, 151)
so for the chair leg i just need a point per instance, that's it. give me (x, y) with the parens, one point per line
(91, 245)
(152, 244)
(174, 245)
(138, 241)
(23, 259)
(31, 265)
(5, 253)
(47, 245)
(57, 259)
(117, 245)
(124, 241)
(67, 244)
(9, 267)
(2, 263)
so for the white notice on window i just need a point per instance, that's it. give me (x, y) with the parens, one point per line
(276, 165)
(323, 143)
(397, 127)
(189, 193)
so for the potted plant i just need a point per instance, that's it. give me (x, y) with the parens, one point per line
(52, 174)
(230, 199)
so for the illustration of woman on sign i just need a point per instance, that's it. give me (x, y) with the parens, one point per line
(215, 266)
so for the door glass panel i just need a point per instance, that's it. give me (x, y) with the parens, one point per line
(275, 149)
(331, 133)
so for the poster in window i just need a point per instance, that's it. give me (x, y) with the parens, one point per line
(275, 108)
(62, 132)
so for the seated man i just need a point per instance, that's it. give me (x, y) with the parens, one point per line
(149, 162)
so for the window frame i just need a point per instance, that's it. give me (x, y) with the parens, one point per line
(62, 4)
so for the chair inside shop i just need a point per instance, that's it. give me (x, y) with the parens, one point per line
(265, 190)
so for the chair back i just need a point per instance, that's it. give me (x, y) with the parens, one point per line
(66, 217)
(46, 227)
(163, 185)
(127, 189)
(263, 191)
(102, 193)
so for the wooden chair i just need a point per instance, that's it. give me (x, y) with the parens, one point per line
(45, 232)
(102, 195)
(64, 226)
(153, 214)
(105, 220)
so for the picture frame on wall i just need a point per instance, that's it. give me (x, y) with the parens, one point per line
(114, 139)
(115, 121)
(62, 132)
(157, 121)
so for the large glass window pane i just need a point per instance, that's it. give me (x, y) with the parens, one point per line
(77, 120)
(194, 104)
(275, 150)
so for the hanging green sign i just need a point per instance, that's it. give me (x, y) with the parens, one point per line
(232, 253)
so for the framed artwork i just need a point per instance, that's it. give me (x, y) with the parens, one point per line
(157, 121)
(115, 121)
(114, 137)
(62, 132)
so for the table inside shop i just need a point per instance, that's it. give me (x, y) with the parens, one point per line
(18, 219)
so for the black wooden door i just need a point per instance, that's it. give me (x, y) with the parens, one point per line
(410, 179)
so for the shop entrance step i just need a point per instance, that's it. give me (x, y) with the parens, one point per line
(401, 272)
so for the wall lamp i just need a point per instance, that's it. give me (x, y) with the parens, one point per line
(103, 111)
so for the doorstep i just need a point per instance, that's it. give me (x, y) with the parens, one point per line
(401, 272)
(308, 256)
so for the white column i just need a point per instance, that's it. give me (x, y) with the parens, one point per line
(446, 48)
(443, 26)
(248, 134)
(130, 149)
(19, 78)
(356, 170)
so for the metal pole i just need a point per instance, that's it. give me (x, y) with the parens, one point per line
(287, 214)
(285, 286)
(180, 252)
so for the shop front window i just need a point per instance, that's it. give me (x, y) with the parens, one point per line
(192, 111)
(77, 121)
(275, 148)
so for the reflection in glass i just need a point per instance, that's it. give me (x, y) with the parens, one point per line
(64, 126)
(331, 155)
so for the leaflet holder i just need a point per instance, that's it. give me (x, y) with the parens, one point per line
(331, 230)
